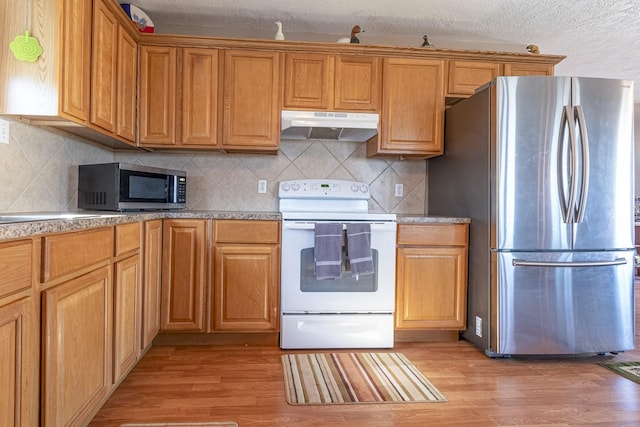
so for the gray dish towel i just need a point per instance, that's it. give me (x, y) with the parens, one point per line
(359, 248)
(328, 250)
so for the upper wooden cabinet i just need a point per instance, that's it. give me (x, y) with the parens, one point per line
(157, 95)
(74, 84)
(114, 73)
(251, 101)
(466, 76)
(520, 69)
(178, 97)
(331, 82)
(412, 116)
(75, 48)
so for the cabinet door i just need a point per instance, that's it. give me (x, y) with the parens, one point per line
(308, 81)
(75, 53)
(412, 117)
(151, 285)
(126, 322)
(199, 97)
(127, 79)
(251, 116)
(104, 67)
(157, 95)
(431, 288)
(18, 364)
(76, 348)
(357, 83)
(183, 275)
(466, 76)
(528, 70)
(245, 288)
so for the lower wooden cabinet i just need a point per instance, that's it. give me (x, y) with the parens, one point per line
(126, 323)
(431, 284)
(76, 348)
(19, 334)
(184, 246)
(18, 363)
(246, 276)
(151, 281)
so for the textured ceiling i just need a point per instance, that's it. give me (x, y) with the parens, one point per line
(599, 37)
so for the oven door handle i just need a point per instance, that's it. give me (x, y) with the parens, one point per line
(307, 225)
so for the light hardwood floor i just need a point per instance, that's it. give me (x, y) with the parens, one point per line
(204, 383)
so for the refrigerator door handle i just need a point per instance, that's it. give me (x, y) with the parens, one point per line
(585, 165)
(568, 121)
(601, 263)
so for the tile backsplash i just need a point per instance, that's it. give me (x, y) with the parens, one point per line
(39, 172)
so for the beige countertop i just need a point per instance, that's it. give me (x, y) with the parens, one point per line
(90, 219)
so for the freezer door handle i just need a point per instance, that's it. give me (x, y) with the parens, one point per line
(565, 177)
(600, 263)
(584, 165)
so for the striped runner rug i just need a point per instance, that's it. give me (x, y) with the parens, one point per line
(343, 378)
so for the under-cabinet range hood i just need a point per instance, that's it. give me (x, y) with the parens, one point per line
(337, 125)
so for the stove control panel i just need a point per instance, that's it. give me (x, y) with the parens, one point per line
(323, 189)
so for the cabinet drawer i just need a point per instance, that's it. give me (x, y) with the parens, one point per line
(16, 265)
(235, 231)
(64, 253)
(433, 234)
(127, 237)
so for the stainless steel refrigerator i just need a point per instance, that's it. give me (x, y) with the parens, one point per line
(543, 166)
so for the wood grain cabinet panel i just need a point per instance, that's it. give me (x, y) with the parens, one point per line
(127, 86)
(104, 67)
(251, 101)
(151, 281)
(412, 116)
(199, 97)
(246, 276)
(466, 76)
(183, 275)
(357, 83)
(308, 81)
(178, 97)
(16, 260)
(18, 364)
(126, 321)
(75, 49)
(68, 252)
(332, 82)
(431, 282)
(157, 95)
(127, 238)
(77, 319)
(518, 69)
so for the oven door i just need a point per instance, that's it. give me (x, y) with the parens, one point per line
(302, 293)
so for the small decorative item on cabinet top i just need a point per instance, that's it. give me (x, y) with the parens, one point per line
(140, 19)
(279, 34)
(24, 47)
(533, 48)
(353, 39)
(426, 42)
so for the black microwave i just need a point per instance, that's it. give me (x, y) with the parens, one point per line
(129, 187)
